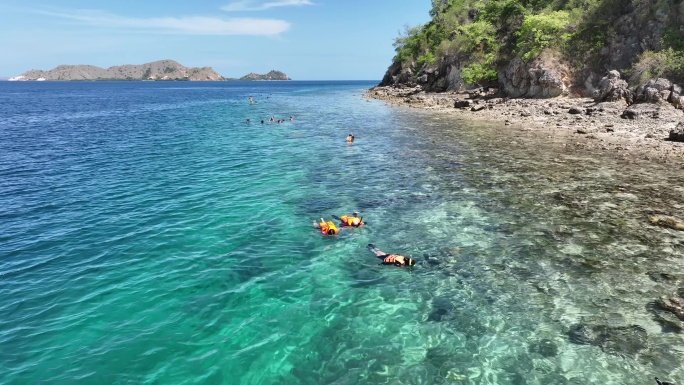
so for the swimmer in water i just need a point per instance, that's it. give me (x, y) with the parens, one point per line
(391, 259)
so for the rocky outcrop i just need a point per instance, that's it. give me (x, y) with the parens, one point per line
(673, 305)
(397, 75)
(671, 310)
(677, 134)
(532, 80)
(612, 89)
(660, 90)
(158, 70)
(444, 77)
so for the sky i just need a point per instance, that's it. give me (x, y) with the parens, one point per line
(306, 39)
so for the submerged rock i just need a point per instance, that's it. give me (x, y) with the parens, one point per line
(674, 305)
(630, 339)
(544, 347)
(668, 222)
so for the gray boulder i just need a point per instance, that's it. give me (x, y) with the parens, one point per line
(677, 134)
(662, 91)
(611, 89)
(657, 90)
(664, 112)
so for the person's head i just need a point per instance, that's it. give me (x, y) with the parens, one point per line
(355, 213)
(400, 260)
(356, 222)
(331, 232)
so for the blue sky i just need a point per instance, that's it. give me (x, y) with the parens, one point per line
(307, 39)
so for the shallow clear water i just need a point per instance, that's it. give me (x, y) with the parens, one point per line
(148, 235)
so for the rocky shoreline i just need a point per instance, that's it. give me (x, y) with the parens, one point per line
(646, 131)
(642, 132)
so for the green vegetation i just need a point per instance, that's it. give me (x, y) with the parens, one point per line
(538, 32)
(482, 36)
(667, 63)
(147, 74)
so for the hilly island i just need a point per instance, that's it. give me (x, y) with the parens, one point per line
(158, 70)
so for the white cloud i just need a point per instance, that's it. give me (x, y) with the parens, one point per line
(193, 25)
(251, 5)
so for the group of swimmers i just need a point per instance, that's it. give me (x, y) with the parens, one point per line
(272, 119)
(348, 221)
(329, 227)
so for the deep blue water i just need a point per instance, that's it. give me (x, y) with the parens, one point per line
(149, 235)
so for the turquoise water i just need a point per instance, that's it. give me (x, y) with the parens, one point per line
(149, 235)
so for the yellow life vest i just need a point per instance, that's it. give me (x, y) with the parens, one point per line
(348, 220)
(326, 227)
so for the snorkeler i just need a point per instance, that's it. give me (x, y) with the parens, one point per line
(350, 220)
(327, 228)
(391, 259)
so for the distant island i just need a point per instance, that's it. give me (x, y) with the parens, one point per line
(273, 75)
(162, 70)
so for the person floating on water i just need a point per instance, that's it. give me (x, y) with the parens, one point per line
(327, 228)
(291, 118)
(350, 220)
(350, 138)
(391, 259)
(248, 121)
(251, 100)
(272, 119)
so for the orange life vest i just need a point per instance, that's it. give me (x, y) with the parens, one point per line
(348, 220)
(326, 227)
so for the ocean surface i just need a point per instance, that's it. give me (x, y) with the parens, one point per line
(150, 235)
